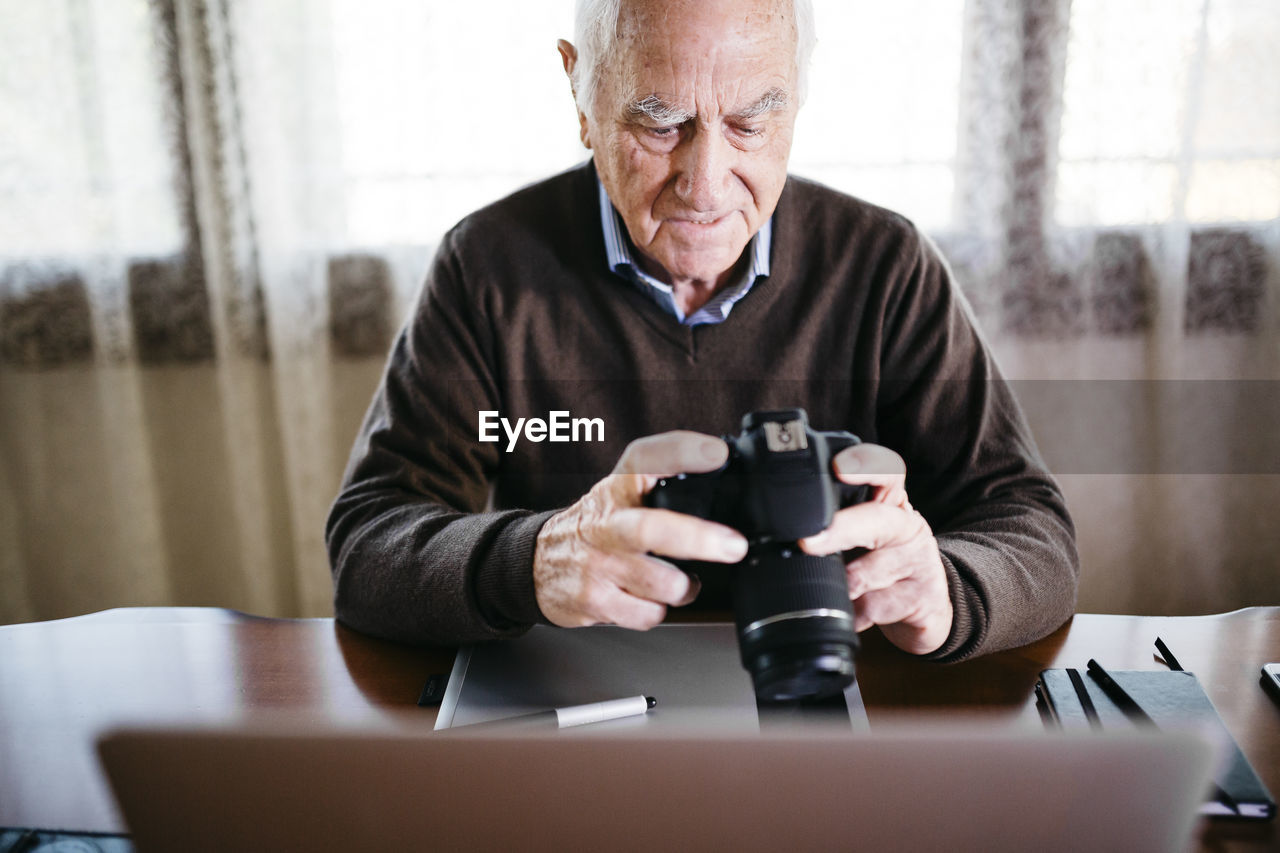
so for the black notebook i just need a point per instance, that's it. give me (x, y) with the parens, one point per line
(1072, 700)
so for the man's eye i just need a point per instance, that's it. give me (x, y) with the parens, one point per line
(750, 130)
(662, 132)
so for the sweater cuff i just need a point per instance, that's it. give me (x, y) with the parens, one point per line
(968, 620)
(504, 579)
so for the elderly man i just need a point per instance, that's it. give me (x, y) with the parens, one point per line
(676, 281)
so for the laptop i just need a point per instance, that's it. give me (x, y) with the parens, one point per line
(398, 787)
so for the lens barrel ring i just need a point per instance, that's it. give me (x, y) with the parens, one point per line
(795, 622)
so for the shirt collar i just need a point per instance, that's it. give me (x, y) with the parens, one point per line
(623, 263)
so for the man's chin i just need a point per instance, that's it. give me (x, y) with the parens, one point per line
(705, 271)
(699, 263)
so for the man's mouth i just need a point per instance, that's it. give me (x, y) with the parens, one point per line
(708, 226)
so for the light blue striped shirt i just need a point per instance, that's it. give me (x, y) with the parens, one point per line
(623, 263)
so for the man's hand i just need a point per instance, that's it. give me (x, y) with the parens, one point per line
(592, 563)
(899, 584)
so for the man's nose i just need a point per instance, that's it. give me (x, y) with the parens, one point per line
(705, 158)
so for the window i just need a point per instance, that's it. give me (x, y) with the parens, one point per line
(85, 159)
(1168, 112)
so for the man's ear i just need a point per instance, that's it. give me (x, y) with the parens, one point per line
(569, 57)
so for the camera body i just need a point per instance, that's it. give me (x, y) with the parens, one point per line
(792, 609)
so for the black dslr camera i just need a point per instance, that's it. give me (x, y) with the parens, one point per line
(792, 609)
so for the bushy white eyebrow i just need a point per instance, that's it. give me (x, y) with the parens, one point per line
(774, 99)
(658, 111)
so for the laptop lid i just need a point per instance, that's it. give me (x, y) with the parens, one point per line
(923, 787)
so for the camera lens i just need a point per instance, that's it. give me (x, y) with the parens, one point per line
(795, 622)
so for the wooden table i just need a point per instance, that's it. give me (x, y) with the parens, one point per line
(63, 682)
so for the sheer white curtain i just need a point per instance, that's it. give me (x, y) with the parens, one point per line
(213, 213)
(1163, 220)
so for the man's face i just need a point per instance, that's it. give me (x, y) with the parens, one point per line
(691, 129)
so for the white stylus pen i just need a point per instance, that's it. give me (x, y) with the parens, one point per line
(576, 715)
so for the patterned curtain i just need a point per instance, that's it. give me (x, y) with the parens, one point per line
(214, 214)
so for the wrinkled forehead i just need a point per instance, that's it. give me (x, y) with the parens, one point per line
(675, 47)
(637, 17)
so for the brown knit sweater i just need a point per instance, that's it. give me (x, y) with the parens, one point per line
(431, 539)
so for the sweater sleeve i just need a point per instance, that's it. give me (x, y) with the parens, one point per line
(973, 470)
(414, 555)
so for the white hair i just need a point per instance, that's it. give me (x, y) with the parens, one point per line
(595, 35)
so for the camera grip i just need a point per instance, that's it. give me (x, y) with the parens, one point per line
(837, 441)
(691, 494)
(854, 494)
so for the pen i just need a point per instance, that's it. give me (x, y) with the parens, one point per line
(576, 715)
(1086, 701)
(1119, 695)
(1169, 659)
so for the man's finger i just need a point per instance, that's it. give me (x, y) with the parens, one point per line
(677, 535)
(866, 525)
(671, 453)
(618, 607)
(656, 580)
(881, 569)
(861, 621)
(900, 602)
(905, 622)
(872, 465)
